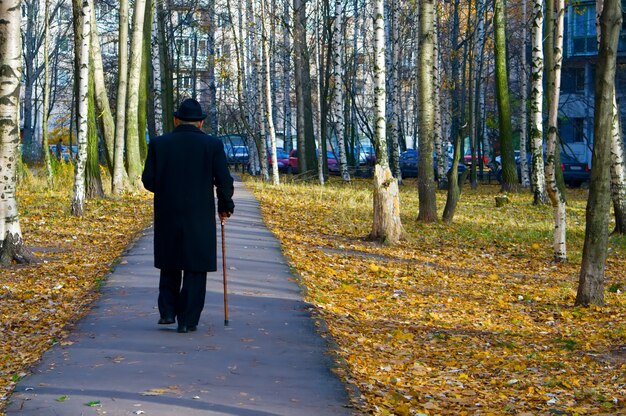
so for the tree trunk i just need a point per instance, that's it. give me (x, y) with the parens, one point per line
(167, 85)
(82, 79)
(425, 180)
(93, 180)
(46, 92)
(338, 75)
(618, 170)
(133, 135)
(538, 179)
(144, 82)
(119, 170)
(524, 105)
(12, 247)
(287, 124)
(32, 149)
(454, 188)
(509, 169)
(269, 108)
(440, 141)
(212, 110)
(387, 227)
(318, 93)
(557, 197)
(298, 51)
(591, 277)
(618, 174)
(103, 108)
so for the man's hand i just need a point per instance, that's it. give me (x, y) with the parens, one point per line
(224, 216)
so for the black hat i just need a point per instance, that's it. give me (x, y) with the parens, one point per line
(190, 110)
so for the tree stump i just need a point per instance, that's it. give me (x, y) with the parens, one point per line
(502, 200)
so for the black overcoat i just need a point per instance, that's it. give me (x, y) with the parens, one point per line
(182, 169)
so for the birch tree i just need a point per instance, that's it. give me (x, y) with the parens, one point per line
(269, 106)
(338, 75)
(557, 198)
(117, 182)
(387, 227)
(12, 247)
(538, 179)
(591, 277)
(46, 90)
(425, 180)
(82, 80)
(523, 146)
(133, 135)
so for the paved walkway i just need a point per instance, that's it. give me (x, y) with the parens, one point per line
(269, 361)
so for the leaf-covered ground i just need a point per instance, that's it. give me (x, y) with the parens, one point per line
(460, 319)
(37, 302)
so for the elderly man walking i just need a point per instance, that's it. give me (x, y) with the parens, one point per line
(182, 169)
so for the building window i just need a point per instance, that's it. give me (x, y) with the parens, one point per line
(572, 130)
(202, 47)
(584, 40)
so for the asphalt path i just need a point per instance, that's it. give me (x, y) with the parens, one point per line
(270, 360)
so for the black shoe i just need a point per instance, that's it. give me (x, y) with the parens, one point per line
(166, 321)
(183, 329)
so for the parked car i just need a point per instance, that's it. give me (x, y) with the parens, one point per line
(236, 154)
(409, 161)
(575, 173)
(333, 164)
(467, 158)
(282, 159)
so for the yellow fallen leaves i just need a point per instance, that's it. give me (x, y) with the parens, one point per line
(38, 301)
(459, 319)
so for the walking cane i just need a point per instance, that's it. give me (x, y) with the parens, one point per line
(224, 269)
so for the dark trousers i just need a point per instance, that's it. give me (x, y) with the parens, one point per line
(186, 302)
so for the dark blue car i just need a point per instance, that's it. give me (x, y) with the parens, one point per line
(408, 164)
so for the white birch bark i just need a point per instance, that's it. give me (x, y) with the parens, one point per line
(82, 78)
(119, 171)
(387, 226)
(394, 122)
(557, 198)
(524, 96)
(338, 75)
(46, 90)
(12, 245)
(269, 108)
(441, 149)
(156, 75)
(133, 135)
(538, 178)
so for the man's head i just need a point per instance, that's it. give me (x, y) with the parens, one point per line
(189, 112)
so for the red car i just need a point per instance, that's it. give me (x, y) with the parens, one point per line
(282, 159)
(333, 164)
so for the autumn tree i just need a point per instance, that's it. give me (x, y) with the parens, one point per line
(555, 191)
(119, 171)
(12, 245)
(509, 169)
(591, 277)
(538, 181)
(82, 36)
(387, 227)
(426, 180)
(133, 135)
